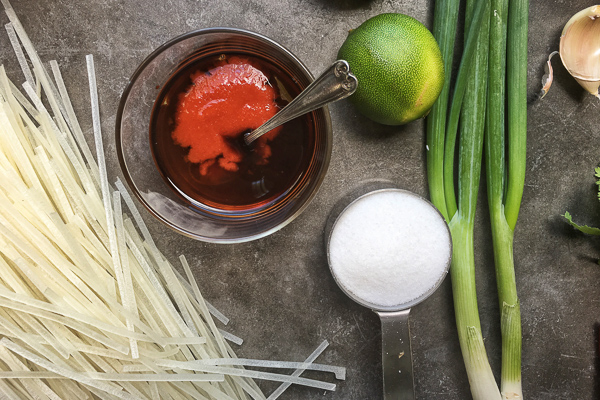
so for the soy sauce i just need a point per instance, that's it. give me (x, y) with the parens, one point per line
(254, 184)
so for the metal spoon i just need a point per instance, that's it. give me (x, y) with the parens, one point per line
(334, 84)
(398, 381)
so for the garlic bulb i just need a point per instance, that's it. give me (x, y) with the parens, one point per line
(580, 48)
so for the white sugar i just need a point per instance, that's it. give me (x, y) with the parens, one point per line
(389, 248)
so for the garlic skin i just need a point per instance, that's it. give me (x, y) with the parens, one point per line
(580, 48)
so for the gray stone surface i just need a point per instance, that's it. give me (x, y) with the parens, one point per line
(277, 290)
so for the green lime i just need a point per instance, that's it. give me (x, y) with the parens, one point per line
(398, 65)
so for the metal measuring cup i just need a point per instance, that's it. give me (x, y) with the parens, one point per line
(398, 380)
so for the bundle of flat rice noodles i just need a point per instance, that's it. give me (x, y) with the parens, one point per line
(89, 307)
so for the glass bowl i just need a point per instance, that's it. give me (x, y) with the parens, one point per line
(175, 209)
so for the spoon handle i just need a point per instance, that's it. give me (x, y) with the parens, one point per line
(332, 85)
(398, 381)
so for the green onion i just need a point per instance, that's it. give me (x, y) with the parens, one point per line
(444, 30)
(469, 102)
(485, 98)
(466, 75)
(458, 202)
(506, 171)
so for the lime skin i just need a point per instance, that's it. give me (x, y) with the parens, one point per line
(398, 65)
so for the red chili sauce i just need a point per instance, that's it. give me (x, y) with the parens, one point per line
(221, 105)
(197, 127)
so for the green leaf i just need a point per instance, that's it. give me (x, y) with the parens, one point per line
(583, 228)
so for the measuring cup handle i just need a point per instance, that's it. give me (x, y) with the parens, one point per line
(398, 381)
